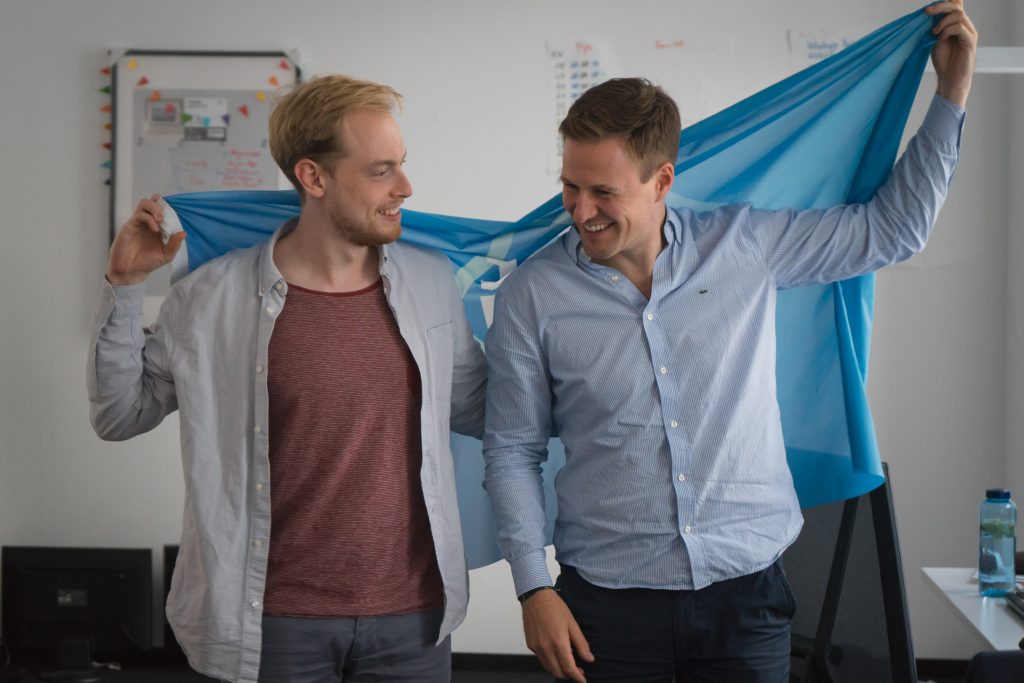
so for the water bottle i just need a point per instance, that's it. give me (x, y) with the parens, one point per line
(998, 544)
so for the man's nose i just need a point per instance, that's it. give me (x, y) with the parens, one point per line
(404, 187)
(584, 209)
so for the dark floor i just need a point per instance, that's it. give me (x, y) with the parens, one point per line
(183, 676)
(499, 677)
(465, 669)
(476, 668)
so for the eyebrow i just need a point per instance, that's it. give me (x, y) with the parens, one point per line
(390, 163)
(600, 188)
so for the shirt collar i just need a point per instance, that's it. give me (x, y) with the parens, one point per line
(271, 276)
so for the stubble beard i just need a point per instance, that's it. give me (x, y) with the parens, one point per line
(372, 234)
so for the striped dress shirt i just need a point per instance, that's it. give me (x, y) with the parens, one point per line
(675, 474)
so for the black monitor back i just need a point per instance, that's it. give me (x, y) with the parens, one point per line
(53, 595)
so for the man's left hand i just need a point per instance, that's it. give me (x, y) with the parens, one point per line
(954, 55)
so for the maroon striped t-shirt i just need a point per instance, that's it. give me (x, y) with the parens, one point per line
(349, 530)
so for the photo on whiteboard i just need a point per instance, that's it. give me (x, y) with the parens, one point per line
(206, 118)
(164, 113)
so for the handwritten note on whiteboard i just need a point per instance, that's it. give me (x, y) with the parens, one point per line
(809, 46)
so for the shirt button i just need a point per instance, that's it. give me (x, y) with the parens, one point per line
(650, 316)
(673, 424)
(254, 604)
(279, 286)
(259, 369)
(258, 543)
(270, 310)
(681, 477)
(259, 486)
(687, 529)
(257, 429)
(664, 370)
(615, 278)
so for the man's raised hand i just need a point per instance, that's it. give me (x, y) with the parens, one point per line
(954, 55)
(139, 248)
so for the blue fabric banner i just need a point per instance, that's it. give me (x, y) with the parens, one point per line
(827, 135)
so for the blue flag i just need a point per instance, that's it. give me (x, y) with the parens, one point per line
(827, 135)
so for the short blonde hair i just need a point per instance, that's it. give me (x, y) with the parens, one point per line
(306, 121)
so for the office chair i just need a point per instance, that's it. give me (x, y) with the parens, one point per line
(851, 620)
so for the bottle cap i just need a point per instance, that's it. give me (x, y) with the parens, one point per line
(998, 494)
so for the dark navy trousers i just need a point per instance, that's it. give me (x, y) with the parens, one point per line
(735, 630)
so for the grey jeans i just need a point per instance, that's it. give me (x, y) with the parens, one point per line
(398, 647)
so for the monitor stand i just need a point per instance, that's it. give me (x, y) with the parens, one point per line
(74, 658)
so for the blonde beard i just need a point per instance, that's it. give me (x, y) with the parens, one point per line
(363, 235)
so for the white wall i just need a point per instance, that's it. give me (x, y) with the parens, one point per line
(936, 382)
(1015, 310)
(477, 126)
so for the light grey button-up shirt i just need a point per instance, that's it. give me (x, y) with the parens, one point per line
(206, 356)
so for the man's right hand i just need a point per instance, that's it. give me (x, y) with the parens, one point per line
(139, 249)
(552, 634)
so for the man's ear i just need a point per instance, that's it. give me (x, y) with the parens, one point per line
(311, 176)
(664, 176)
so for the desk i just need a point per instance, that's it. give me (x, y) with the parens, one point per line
(990, 618)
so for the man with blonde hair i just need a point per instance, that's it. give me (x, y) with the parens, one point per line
(317, 376)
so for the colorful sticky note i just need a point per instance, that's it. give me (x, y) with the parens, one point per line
(245, 110)
(106, 109)
(261, 96)
(105, 71)
(142, 81)
(105, 89)
(155, 96)
(227, 119)
(105, 164)
(108, 145)
(273, 81)
(108, 126)
(186, 117)
(132, 64)
(283, 64)
(169, 108)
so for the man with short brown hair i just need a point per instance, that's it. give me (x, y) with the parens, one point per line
(317, 377)
(655, 365)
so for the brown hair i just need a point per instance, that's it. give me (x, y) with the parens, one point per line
(633, 109)
(305, 122)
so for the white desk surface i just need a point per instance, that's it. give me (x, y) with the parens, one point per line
(991, 618)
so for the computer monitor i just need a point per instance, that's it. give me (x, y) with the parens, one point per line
(58, 599)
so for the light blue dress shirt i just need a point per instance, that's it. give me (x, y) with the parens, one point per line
(675, 474)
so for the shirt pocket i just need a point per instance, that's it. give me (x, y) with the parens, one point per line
(440, 354)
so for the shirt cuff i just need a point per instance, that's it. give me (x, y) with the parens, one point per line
(945, 119)
(530, 571)
(126, 301)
